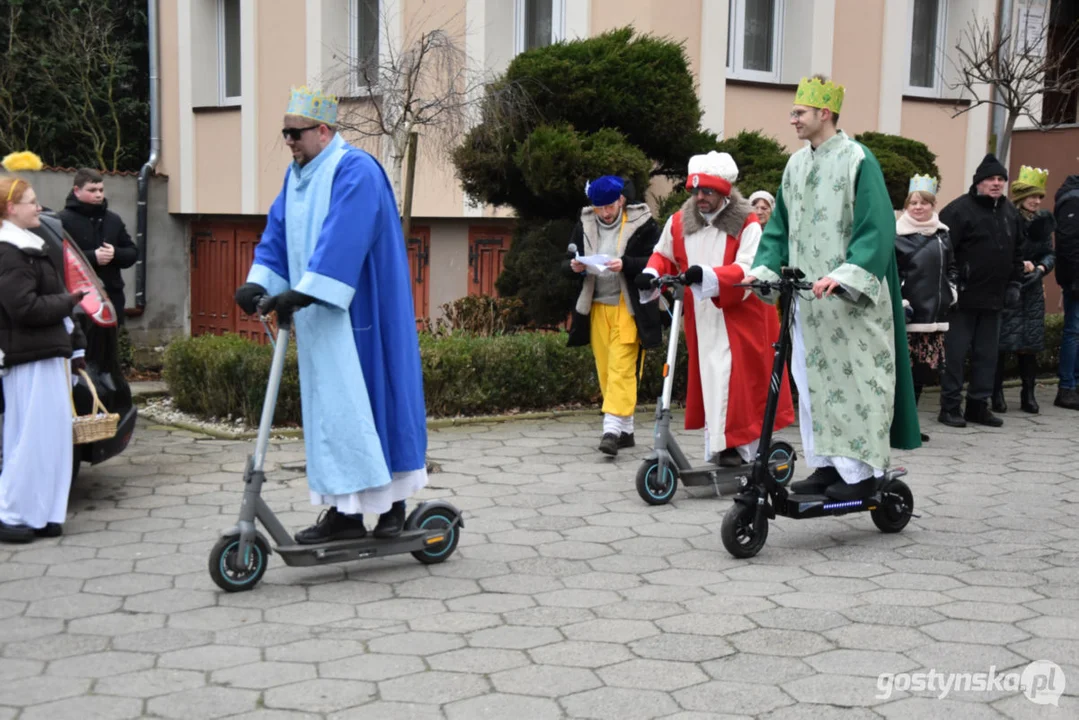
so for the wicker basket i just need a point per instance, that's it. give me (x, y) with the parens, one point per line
(100, 424)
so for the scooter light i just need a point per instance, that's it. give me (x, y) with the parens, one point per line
(435, 539)
(666, 369)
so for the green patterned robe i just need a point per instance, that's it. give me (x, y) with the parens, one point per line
(833, 218)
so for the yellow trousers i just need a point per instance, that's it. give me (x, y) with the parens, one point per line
(617, 353)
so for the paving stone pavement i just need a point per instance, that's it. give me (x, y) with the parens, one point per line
(567, 598)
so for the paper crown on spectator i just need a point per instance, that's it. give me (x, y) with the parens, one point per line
(604, 190)
(1034, 177)
(313, 105)
(923, 183)
(715, 170)
(22, 161)
(814, 93)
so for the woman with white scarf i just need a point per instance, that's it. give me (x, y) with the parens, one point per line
(928, 274)
(37, 336)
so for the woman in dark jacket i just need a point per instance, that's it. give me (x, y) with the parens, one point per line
(37, 336)
(608, 314)
(1022, 329)
(927, 271)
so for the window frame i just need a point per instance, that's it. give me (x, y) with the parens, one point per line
(357, 88)
(558, 24)
(736, 13)
(223, 98)
(936, 90)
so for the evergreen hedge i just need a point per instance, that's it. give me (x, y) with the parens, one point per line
(217, 376)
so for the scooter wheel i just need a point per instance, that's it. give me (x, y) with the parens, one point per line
(649, 486)
(222, 559)
(895, 509)
(438, 519)
(741, 534)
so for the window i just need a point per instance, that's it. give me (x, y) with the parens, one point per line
(539, 23)
(754, 30)
(228, 50)
(927, 25)
(363, 42)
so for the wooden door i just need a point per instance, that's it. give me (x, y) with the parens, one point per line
(419, 261)
(487, 248)
(221, 255)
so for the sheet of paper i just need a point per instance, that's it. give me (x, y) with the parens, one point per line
(595, 264)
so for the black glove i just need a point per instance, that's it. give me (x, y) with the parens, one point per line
(645, 281)
(693, 275)
(1033, 277)
(287, 303)
(247, 297)
(1011, 296)
(78, 363)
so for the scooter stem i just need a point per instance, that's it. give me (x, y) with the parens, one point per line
(273, 384)
(672, 349)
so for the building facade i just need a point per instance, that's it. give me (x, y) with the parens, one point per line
(227, 66)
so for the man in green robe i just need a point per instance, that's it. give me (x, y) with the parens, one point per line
(833, 220)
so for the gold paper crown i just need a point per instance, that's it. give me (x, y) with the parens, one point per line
(923, 183)
(22, 161)
(813, 93)
(1034, 177)
(313, 105)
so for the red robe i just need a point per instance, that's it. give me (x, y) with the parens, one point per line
(738, 327)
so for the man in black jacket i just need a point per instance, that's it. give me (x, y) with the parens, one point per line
(608, 314)
(99, 233)
(1066, 209)
(985, 232)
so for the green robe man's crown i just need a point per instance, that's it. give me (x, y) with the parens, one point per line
(814, 93)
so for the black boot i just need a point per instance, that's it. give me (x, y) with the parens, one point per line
(845, 492)
(15, 533)
(999, 404)
(609, 444)
(1067, 398)
(625, 440)
(727, 458)
(333, 525)
(1028, 371)
(821, 479)
(951, 417)
(392, 523)
(978, 412)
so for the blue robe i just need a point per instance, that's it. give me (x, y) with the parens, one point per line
(334, 234)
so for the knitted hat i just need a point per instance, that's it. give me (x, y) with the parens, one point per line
(990, 167)
(763, 195)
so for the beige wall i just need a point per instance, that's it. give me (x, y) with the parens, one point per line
(931, 123)
(169, 51)
(678, 19)
(217, 161)
(449, 262)
(281, 66)
(856, 61)
(761, 108)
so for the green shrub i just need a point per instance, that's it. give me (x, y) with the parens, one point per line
(900, 159)
(463, 375)
(532, 272)
(125, 350)
(482, 315)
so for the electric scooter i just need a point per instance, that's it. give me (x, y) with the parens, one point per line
(762, 495)
(661, 469)
(239, 559)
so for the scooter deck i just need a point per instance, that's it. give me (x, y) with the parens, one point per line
(359, 549)
(726, 479)
(804, 506)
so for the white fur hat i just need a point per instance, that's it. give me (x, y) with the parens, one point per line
(715, 170)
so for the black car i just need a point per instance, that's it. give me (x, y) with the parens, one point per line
(103, 368)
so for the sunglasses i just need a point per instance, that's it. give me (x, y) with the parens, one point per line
(295, 133)
(707, 192)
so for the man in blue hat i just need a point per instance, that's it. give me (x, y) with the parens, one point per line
(334, 256)
(607, 315)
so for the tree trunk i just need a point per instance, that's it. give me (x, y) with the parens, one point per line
(410, 181)
(1004, 143)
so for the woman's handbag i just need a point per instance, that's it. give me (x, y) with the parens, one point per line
(100, 424)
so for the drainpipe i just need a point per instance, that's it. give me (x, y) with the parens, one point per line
(151, 163)
(1004, 25)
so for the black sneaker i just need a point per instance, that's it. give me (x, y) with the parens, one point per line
(978, 412)
(625, 440)
(951, 417)
(858, 491)
(392, 523)
(50, 530)
(15, 533)
(609, 444)
(821, 479)
(333, 525)
(727, 458)
(1067, 398)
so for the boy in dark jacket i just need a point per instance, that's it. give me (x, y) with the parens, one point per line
(1066, 208)
(99, 233)
(986, 238)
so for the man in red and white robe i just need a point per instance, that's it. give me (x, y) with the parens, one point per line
(729, 331)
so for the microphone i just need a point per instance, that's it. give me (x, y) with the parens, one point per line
(571, 251)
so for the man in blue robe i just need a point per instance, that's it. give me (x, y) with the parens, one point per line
(334, 256)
